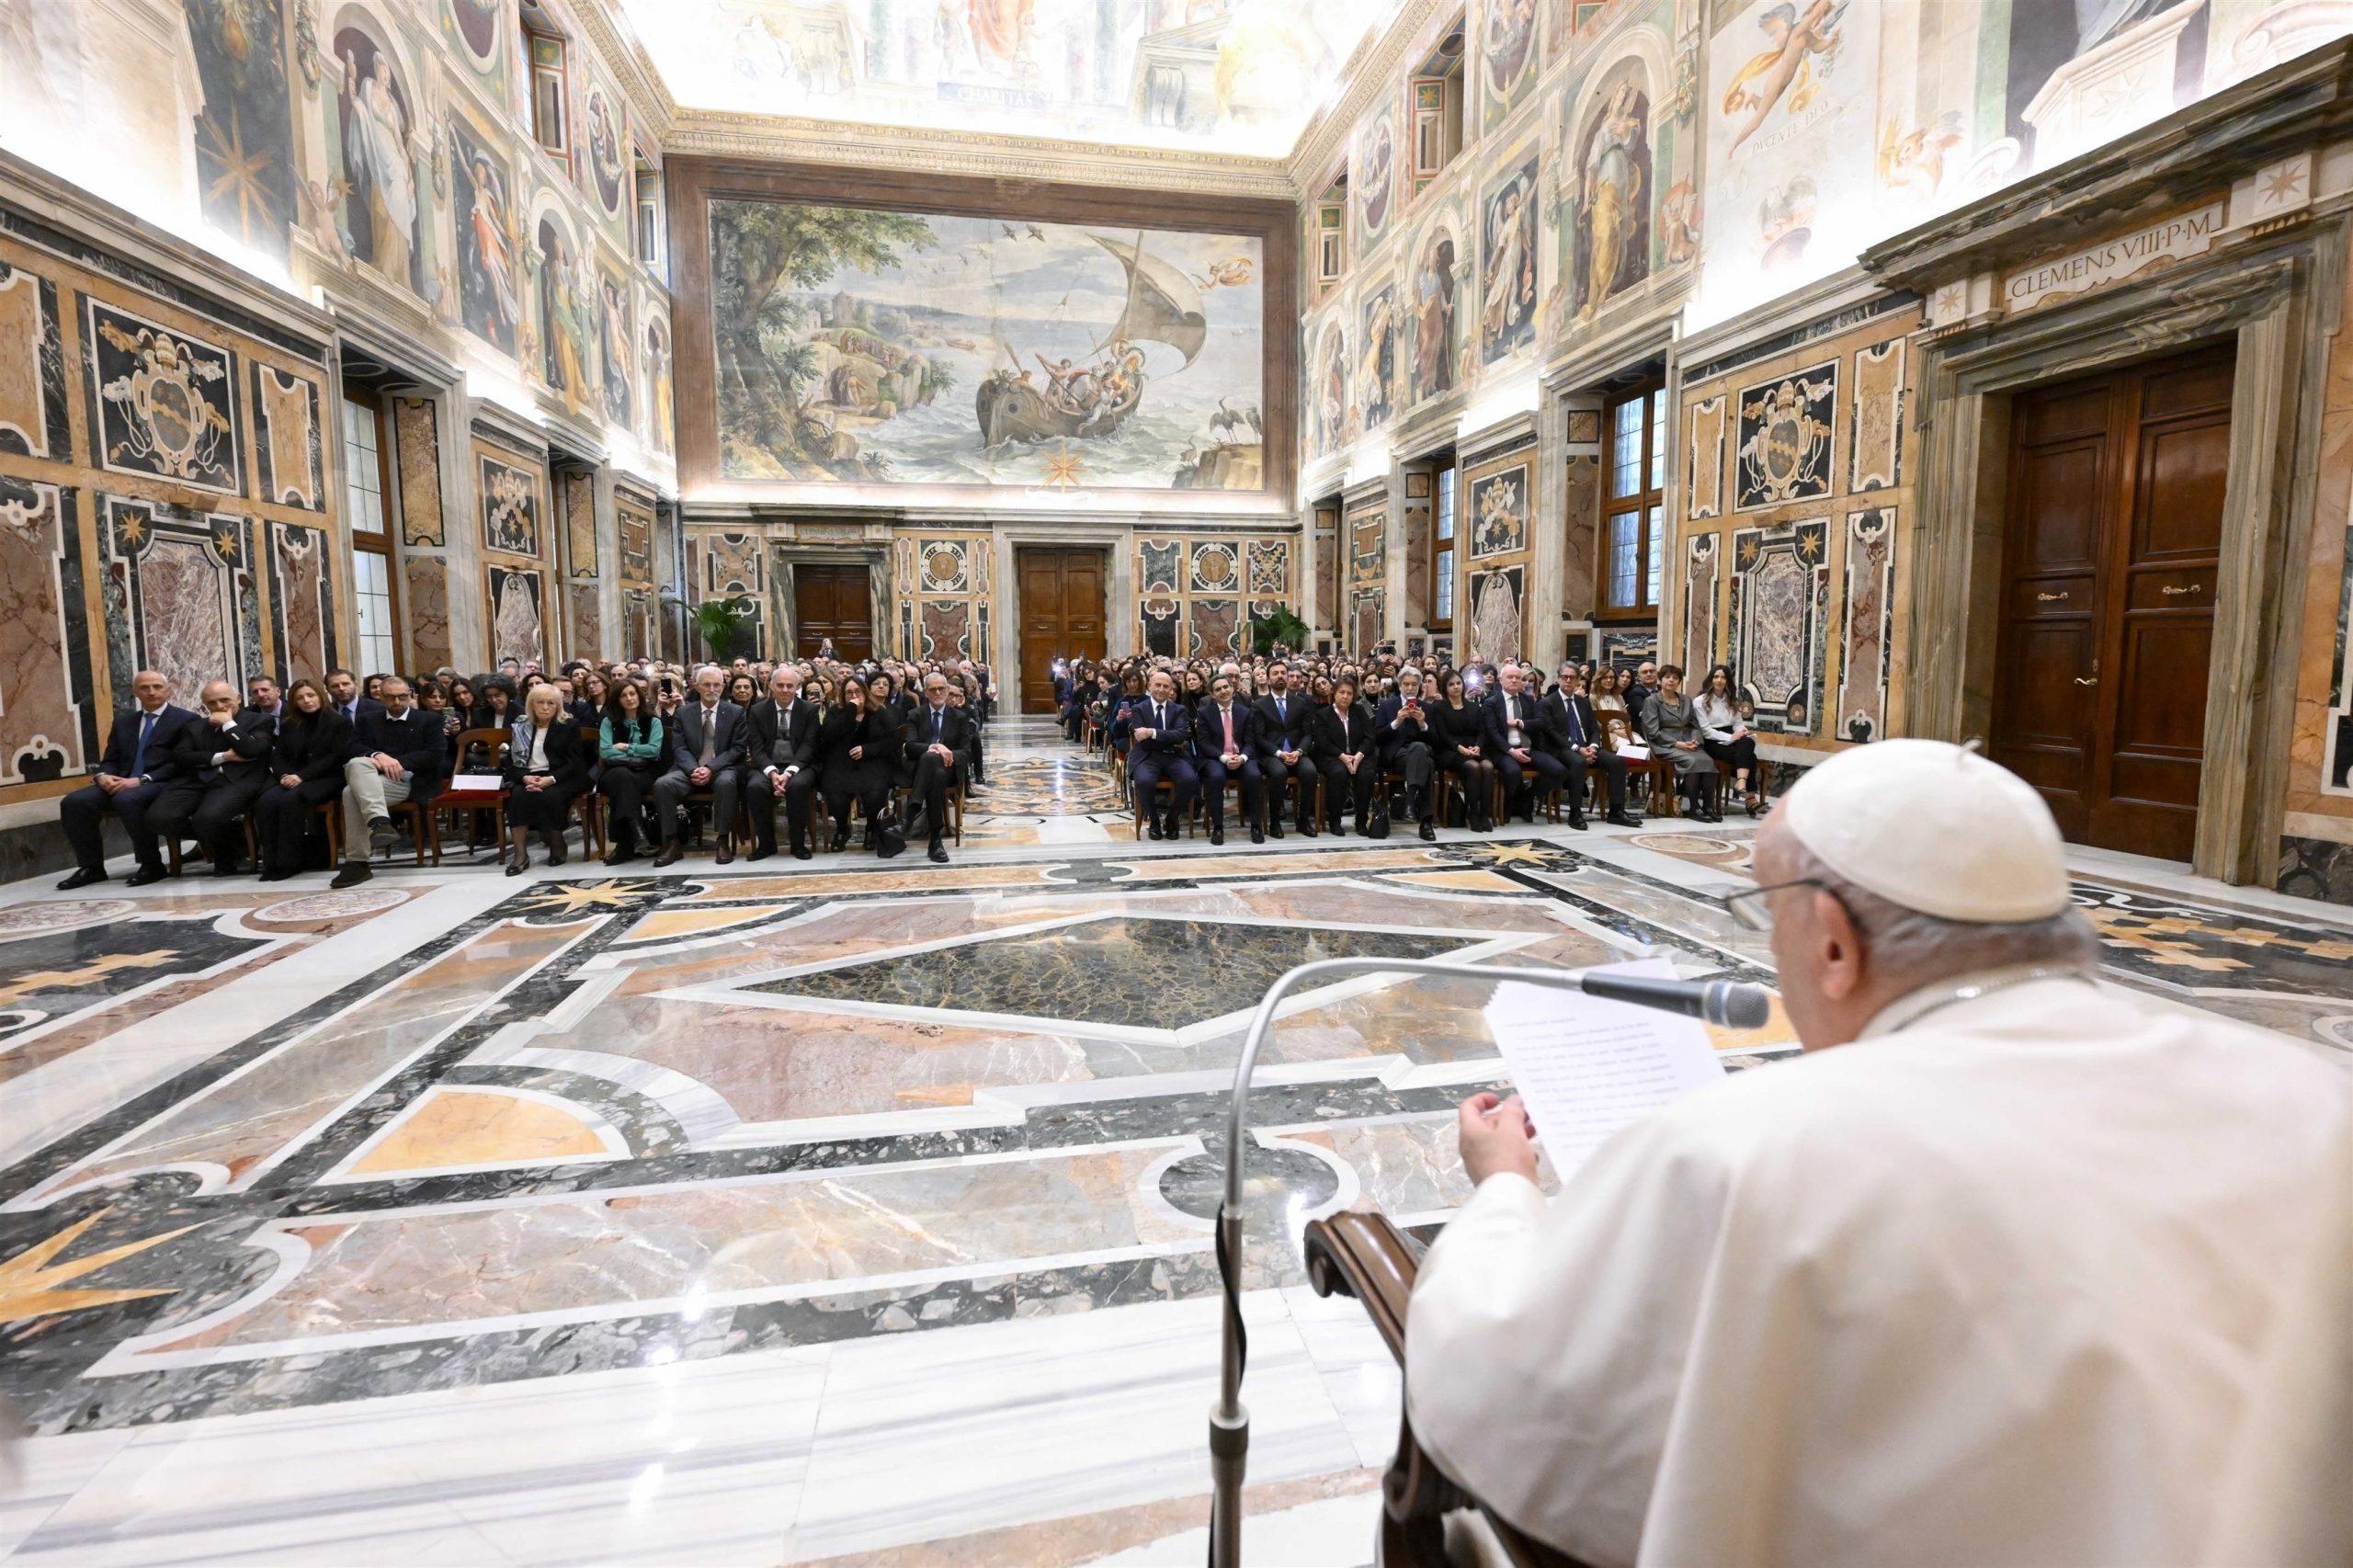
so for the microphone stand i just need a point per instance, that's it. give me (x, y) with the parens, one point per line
(1229, 1422)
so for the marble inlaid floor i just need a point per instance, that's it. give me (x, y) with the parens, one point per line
(847, 1211)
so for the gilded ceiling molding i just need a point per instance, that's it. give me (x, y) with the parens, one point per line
(987, 155)
(625, 59)
(1377, 68)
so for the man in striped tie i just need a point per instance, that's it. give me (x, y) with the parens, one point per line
(1223, 740)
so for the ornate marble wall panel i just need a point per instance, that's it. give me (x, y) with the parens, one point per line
(163, 403)
(1704, 473)
(302, 601)
(1780, 606)
(1158, 626)
(1190, 590)
(33, 415)
(947, 629)
(1216, 628)
(1787, 433)
(1494, 540)
(518, 614)
(1497, 599)
(426, 608)
(1582, 525)
(1867, 647)
(48, 723)
(1702, 594)
(1419, 499)
(586, 617)
(731, 563)
(1326, 614)
(416, 446)
(289, 463)
(1877, 419)
(1270, 566)
(635, 515)
(943, 578)
(579, 497)
(180, 595)
(1366, 609)
(512, 505)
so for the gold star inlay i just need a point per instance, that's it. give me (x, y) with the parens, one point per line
(2283, 183)
(132, 531)
(570, 898)
(1062, 469)
(226, 542)
(1514, 855)
(28, 1286)
(239, 171)
(97, 969)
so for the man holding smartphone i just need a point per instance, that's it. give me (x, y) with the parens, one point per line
(1403, 732)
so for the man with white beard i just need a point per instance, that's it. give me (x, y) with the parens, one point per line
(1987, 1277)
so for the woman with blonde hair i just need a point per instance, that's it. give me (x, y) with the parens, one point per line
(547, 766)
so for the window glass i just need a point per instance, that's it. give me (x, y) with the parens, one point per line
(362, 470)
(1626, 448)
(1625, 545)
(371, 594)
(1655, 574)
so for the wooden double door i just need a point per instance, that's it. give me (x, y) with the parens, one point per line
(1061, 614)
(832, 601)
(2109, 557)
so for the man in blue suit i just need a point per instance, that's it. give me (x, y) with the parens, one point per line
(1225, 742)
(1517, 739)
(1160, 743)
(132, 774)
(1282, 749)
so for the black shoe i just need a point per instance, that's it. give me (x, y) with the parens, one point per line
(726, 855)
(380, 834)
(1152, 830)
(669, 857)
(1274, 827)
(146, 876)
(841, 839)
(1619, 819)
(1258, 835)
(1429, 830)
(354, 872)
(620, 857)
(280, 876)
(760, 852)
(514, 867)
(1305, 831)
(800, 852)
(937, 851)
(555, 853)
(1216, 835)
(1577, 820)
(81, 879)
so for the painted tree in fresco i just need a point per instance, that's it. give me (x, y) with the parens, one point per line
(760, 252)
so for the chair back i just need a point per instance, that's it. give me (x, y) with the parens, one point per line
(493, 744)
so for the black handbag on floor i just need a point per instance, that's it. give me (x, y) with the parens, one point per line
(1377, 824)
(889, 840)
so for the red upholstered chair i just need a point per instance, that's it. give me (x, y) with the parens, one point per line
(493, 744)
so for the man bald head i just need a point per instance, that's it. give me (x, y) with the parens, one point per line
(1901, 864)
(152, 688)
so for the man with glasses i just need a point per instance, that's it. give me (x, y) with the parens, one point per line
(936, 735)
(398, 757)
(1984, 1276)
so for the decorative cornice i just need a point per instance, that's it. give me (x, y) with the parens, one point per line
(1378, 66)
(626, 60)
(986, 154)
(2288, 108)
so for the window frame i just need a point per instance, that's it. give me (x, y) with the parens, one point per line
(557, 72)
(1646, 504)
(1446, 561)
(377, 542)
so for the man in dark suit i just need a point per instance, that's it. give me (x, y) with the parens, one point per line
(1407, 746)
(1572, 734)
(221, 767)
(1160, 742)
(1529, 772)
(1638, 692)
(398, 754)
(938, 737)
(784, 745)
(1282, 749)
(137, 765)
(344, 695)
(709, 739)
(1224, 746)
(263, 696)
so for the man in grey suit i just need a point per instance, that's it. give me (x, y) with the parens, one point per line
(710, 738)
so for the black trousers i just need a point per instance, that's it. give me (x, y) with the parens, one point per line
(1343, 787)
(1740, 754)
(210, 814)
(544, 810)
(871, 793)
(1214, 773)
(625, 785)
(282, 820)
(1277, 772)
(1612, 769)
(760, 798)
(80, 811)
(929, 788)
(1184, 783)
(1411, 758)
(1543, 769)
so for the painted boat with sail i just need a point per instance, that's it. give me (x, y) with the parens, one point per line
(1083, 403)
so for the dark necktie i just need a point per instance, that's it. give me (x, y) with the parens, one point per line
(139, 752)
(935, 726)
(1576, 730)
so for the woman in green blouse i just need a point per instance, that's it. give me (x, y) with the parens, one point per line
(629, 749)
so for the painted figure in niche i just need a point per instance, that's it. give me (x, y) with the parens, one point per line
(616, 355)
(605, 151)
(563, 325)
(1434, 320)
(1787, 68)
(1378, 363)
(477, 24)
(1380, 174)
(658, 385)
(1331, 393)
(1679, 223)
(486, 277)
(1510, 38)
(1507, 312)
(377, 214)
(1614, 231)
(1002, 32)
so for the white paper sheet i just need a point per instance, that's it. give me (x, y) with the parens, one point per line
(1588, 1067)
(468, 781)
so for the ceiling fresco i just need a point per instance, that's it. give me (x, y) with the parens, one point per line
(1211, 76)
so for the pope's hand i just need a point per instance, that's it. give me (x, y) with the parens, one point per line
(1496, 1137)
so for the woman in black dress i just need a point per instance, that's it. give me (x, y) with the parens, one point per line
(1337, 735)
(306, 767)
(1458, 727)
(857, 744)
(547, 766)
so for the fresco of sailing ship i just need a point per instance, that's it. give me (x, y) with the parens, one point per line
(869, 346)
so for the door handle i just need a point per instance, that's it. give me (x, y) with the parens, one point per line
(2087, 680)
(2193, 588)
(2050, 599)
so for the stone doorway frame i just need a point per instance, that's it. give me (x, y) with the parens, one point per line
(1117, 540)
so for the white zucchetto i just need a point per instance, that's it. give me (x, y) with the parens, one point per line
(1933, 827)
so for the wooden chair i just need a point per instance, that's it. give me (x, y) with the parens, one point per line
(1366, 1256)
(329, 811)
(492, 743)
(1165, 787)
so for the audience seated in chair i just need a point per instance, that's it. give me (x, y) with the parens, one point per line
(136, 769)
(1283, 750)
(399, 756)
(1226, 747)
(710, 738)
(1573, 736)
(308, 750)
(546, 769)
(632, 753)
(1406, 747)
(1516, 741)
(936, 735)
(1347, 760)
(1160, 742)
(219, 769)
(857, 750)
(783, 756)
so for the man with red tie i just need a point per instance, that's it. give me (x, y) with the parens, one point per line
(1224, 743)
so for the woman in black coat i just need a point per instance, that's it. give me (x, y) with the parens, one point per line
(856, 747)
(1458, 732)
(547, 767)
(1344, 730)
(306, 767)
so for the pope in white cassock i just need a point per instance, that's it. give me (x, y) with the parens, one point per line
(1988, 1276)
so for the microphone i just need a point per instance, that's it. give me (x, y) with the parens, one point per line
(1722, 1002)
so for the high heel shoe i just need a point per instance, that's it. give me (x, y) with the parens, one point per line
(514, 867)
